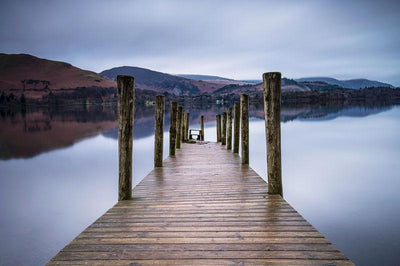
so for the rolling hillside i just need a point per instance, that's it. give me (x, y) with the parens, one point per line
(35, 77)
(161, 82)
(349, 84)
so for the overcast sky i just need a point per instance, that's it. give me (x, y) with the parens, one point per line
(237, 39)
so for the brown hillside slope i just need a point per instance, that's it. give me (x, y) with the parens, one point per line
(35, 77)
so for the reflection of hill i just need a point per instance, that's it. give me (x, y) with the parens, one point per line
(24, 135)
(322, 112)
(27, 134)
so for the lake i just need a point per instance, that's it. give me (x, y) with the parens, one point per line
(58, 174)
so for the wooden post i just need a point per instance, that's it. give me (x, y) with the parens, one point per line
(236, 131)
(172, 128)
(159, 131)
(187, 125)
(244, 110)
(183, 129)
(229, 130)
(272, 112)
(126, 104)
(202, 128)
(178, 127)
(218, 119)
(223, 128)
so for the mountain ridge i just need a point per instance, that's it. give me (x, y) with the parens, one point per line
(162, 82)
(358, 83)
(38, 78)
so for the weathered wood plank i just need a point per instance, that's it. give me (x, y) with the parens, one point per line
(206, 262)
(203, 207)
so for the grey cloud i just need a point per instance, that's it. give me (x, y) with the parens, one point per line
(239, 39)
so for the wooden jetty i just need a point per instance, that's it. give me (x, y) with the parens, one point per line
(203, 205)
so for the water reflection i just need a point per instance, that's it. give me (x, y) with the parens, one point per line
(340, 169)
(25, 134)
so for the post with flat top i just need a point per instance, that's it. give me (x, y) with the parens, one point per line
(178, 127)
(272, 112)
(218, 119)
(244, 110)
(236, 130)
(126, 105)
(229, 130)
(223, 136)
(172, 127)
(159, 131)
(202, 127)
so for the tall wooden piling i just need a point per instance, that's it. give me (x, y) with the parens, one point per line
(236, 130)
(179, 127)
(126, 104)
(187, 125)
(183, 124)
(159, 131)
(218, 119)
(202, 127)
(244, 110)
(172, 128)
(229, 130)
(223, 135)
(272, 112)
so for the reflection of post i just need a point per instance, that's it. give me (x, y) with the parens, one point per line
(218, 119)
(202, 127)
(229, 130)
(159, 131)
(244, 106)
(236, 131)
(187, 125)
(172, 128)
(223, 128)
(272, 112)
(178, 127)
(126, 104)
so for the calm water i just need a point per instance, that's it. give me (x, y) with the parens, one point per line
(58, 173)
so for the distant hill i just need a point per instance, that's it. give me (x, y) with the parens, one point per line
(287, 85)
(201, 77)
(349, 84)
(35, 77)
(252, 81)
(162, 82)
(214, 79)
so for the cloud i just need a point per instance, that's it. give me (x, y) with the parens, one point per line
(238, 39)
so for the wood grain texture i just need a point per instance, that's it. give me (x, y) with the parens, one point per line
(272, 111)
(187, 126)
(202, 127)
(218, 127)
(172, 127)
(203, 207)
(126, 108)
(236, 130)
(179, 126)
(223, 134)
(244, 123)
(159, 130)
(229, 130)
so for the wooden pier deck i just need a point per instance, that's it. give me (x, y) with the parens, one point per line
(202, 208)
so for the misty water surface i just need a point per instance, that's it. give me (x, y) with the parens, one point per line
(58, 174)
